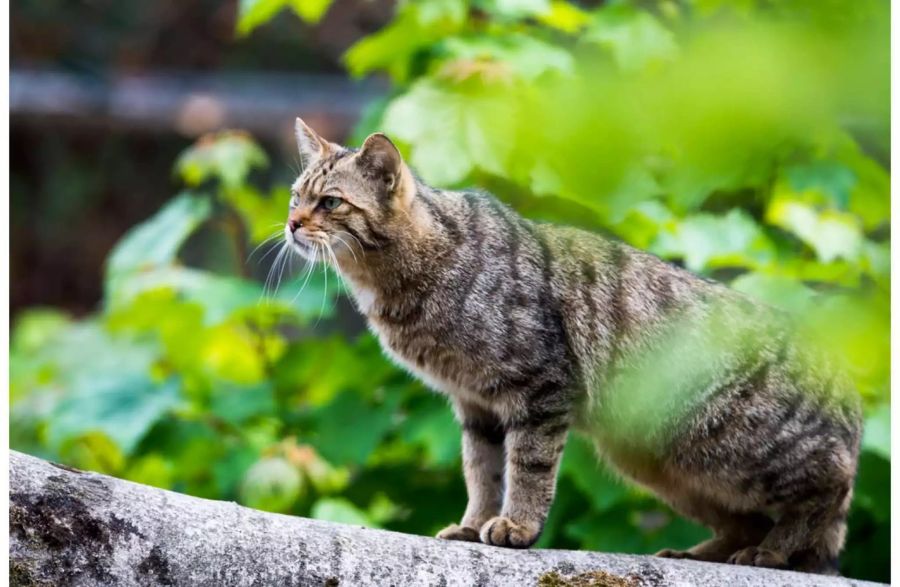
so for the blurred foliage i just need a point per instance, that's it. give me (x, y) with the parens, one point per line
(745, 140)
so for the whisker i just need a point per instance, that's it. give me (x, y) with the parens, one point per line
(284, 261)
(269, 275)
(265, 242)
(324, 293)
(267, 253)
(353, 236)
(337, 266)
(311, 267)
(277, 270)
(346, 245)
(358, 242)
(269, 272)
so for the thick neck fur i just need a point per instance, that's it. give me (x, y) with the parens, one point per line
(390, 279)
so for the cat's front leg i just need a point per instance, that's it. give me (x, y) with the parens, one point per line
(533, 451)
(482, 451)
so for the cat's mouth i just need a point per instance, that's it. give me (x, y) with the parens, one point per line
(299, 244)
(307, 246)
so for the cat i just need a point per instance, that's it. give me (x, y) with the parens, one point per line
(685, 386)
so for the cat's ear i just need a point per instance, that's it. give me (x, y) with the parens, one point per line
(311, 146)
(380, 160)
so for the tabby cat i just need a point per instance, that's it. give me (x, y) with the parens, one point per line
(685, 386)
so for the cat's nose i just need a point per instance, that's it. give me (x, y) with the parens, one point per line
(293, 225)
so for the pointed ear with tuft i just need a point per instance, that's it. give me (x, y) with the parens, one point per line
(312, 147)
(381, 161)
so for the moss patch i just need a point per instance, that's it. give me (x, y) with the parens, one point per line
(589, 579)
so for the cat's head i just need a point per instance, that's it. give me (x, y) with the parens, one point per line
(348, 201)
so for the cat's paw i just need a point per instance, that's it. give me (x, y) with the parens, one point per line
(501, 531)
(670, 553)
(759, 557)
(457, 532)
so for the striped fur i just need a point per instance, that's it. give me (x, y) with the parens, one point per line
(687, 388)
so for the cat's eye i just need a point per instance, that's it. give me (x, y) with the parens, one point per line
(331, 202)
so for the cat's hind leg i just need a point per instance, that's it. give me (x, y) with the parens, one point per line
(732, 531)
(808, 536)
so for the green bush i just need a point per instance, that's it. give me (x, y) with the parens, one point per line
(746, 140)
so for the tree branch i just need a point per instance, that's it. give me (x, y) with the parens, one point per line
(68, 527)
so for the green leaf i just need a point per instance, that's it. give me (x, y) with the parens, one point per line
(122, 405)
(326, 478)
(314, 370)
(36, 327)
(105, 384)
(86, 350)
(873, 485)
(877, 432)
(341, 510)
(528, 57)
(856, 328)
(782, 292)
(870, 198)
(92, 451)
(272, 484)
(431, 424)
(218, 295)
(876, 260)
(565, 16)
(415, 30)
(516, 8)
(453, 130)
(437, 11)
(253, 13)
(708, 7)
(227, 156)
(237, 403)
(829, 177)
(582, 465)
(351, 427)
(311, 293)
(610, 531)
(311, 11)
(156, 241)
(263, 214)
(830, 233)
(706, 241)
(152, 469)
(675, 532)
(641, 224)
(635, 38)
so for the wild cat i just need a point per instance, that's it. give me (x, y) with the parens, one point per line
(686, 387)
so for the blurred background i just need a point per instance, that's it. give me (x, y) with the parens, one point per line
(157, 336)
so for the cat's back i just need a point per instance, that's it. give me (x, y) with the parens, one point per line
(616, 298)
